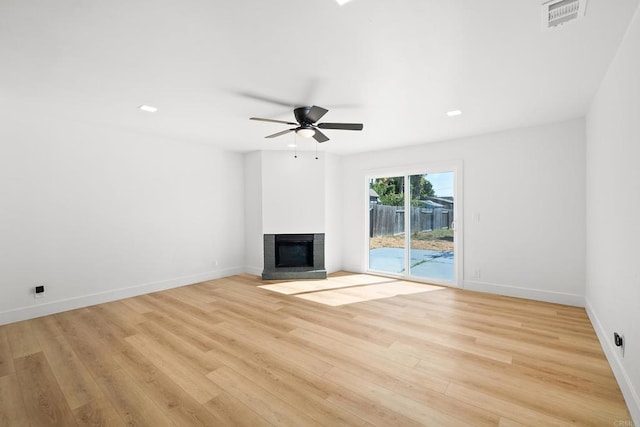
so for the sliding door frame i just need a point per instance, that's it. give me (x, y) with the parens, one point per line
(406, 171)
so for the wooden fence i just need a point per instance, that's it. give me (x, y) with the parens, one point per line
(389, 220)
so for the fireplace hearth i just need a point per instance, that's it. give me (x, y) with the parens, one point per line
(293, 256)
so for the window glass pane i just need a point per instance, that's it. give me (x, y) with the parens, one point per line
(386, 225)
(431, 241)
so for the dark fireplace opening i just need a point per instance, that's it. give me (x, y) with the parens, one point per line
(294, 256)
(294, 250)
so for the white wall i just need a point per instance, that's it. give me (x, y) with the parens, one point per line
(613, 205)
(292, 195)
(333, 212)
(253, 243)
(526, 185)
(96, 214)
(292, 192)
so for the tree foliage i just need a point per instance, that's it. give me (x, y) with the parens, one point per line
(421, 188)
(391, 190)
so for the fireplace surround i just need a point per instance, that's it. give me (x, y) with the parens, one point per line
(294, 256)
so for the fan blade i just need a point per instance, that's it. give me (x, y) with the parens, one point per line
(320, 137)
(273, 121)
(342, 126)
(270, 100)
(315, 113)
(284, 132)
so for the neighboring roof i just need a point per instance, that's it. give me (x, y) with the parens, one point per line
(372, 193)
(432, 204)
(445, 200)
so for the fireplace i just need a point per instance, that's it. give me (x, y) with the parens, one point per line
(294, 250)
(293, 256)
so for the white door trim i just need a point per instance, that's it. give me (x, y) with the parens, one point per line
(455, 166)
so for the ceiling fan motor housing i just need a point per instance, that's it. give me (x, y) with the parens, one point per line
(301, 115)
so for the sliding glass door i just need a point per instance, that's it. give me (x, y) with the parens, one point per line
(387, 252)
(432, 240)
(412, 221)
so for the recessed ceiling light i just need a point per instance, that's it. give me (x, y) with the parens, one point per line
(292, 145)
(341, 2)
(454, 113)
(148, 108)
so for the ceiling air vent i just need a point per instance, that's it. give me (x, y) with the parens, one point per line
(559, 12)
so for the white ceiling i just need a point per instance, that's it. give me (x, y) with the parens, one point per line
(397, 66)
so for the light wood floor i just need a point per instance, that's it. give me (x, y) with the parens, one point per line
(227, 352)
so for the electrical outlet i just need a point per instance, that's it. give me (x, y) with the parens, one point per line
(38, 291)
(618, 341)
(476, 273)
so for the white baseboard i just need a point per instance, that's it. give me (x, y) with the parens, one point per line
(626, 386)
(256, 271)
(527, 293)
(30, 312)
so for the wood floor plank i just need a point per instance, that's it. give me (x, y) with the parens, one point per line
(115, 326)
(421, 413)
(370, 345)
(230, 411)
(6, 358)
(188, 296)
(12, 409)
(157, 322)
(195, 318)
(45, 402)
(21, 339)
(138, 304)
(366, 364)
(504, 384)
(512, 411)
(182, 344)
(133, 405)
(269, 318)
(506, 422)
(98, 413)
(299, 387)
(89, 322)
(76, 382)
(240, 294)
(354, 330)
(411, 386)
(263, 402)
(201, 291)
(119, 310)
(462, 342)
(368, 409)
(278, 344)
(175, 403)
(192, 381)
(177, 306)
(572, 376)
(95, 352)
(228, 352)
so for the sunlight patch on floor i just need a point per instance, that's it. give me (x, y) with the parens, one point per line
(349, 288)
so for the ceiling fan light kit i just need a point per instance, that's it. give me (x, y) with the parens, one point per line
(306, 127)
(305, 132)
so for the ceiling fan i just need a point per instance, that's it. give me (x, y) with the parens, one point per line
(307, 127)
